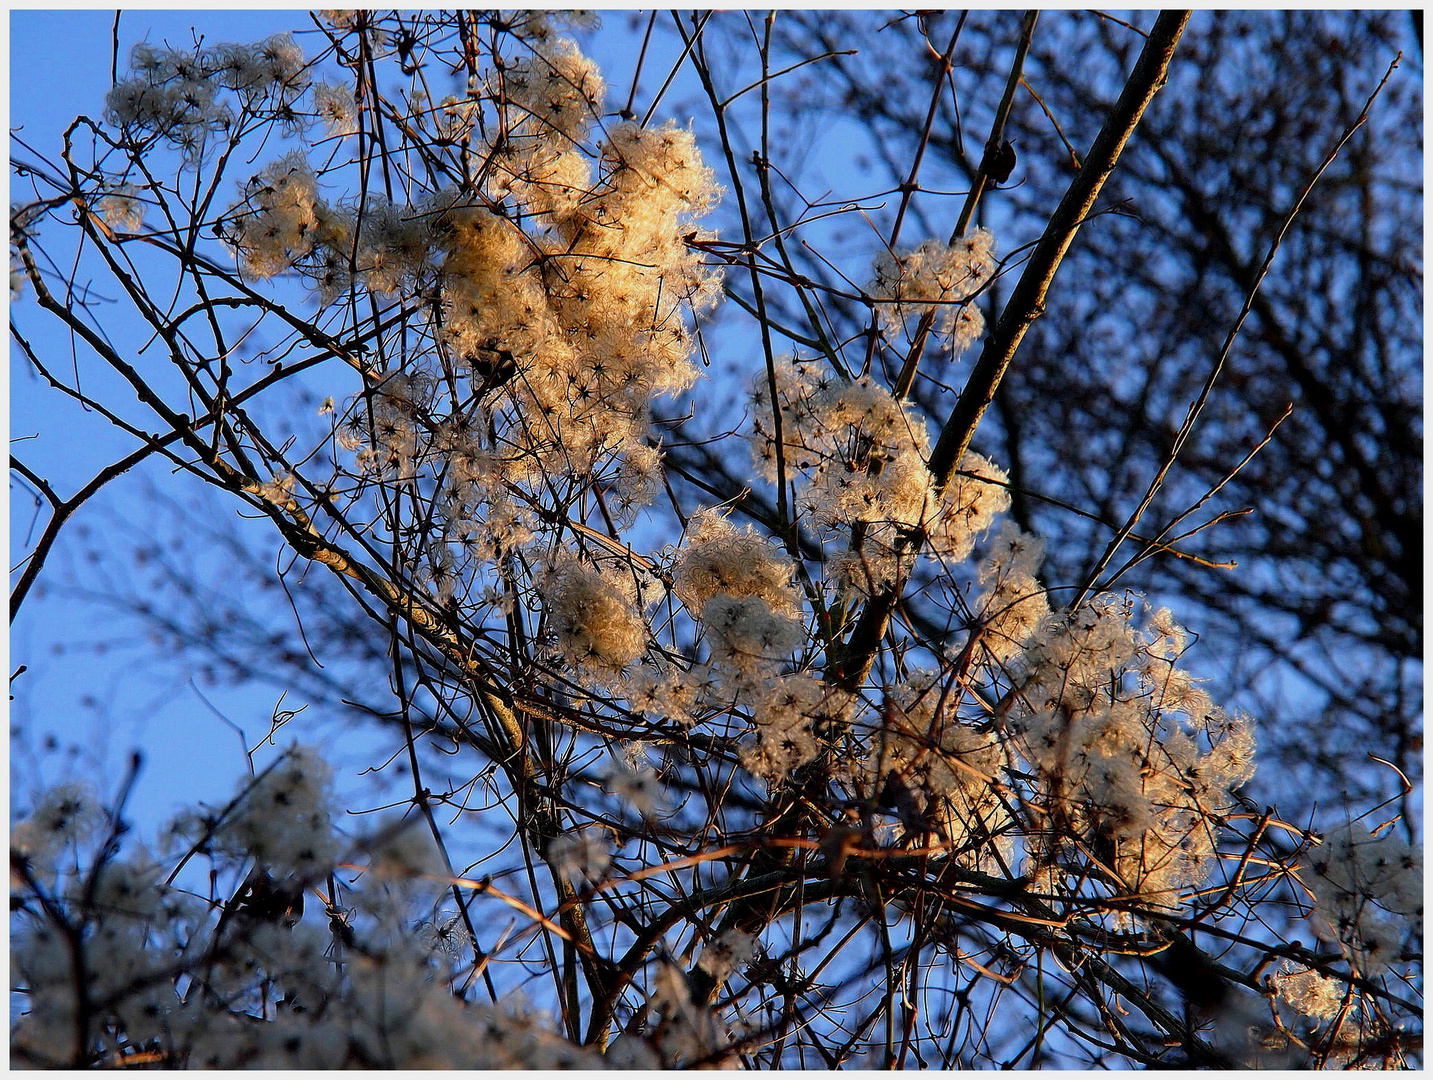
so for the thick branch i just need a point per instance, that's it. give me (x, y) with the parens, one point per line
(1026, 303)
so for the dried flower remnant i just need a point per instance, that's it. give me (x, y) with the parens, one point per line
(667, 694)
(1368, 895)
(746, 636)
(65, 815)
(557, 87)
(184, 96)
(939, 772)
(688, 1032)
(859, 456)
(283, 816)
(1012, 604)
(403, 849)
(582, 855)
(594, 618)
(797, 717)
(1316, 996)
(726, 953)
(122, 208)
(562, 285)
(281, 224)
(335, 108)
(1117, 752)
(636, 784)
(157, 970)
(940, 279)
(445, 935)
(717, 557)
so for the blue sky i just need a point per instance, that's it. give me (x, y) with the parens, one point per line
(112, 701)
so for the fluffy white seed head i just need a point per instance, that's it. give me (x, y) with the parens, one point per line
(939, 279)
(593, 617)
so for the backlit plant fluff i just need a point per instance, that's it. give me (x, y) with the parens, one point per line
(806, 769)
